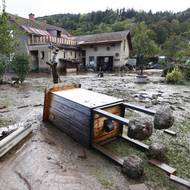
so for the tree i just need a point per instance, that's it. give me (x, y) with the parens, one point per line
(175, 46)
(142, 41)
(8, 43)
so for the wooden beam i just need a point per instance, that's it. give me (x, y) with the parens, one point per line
(135, 142)
(112, 116)
(168, 169)
(109, 154)
(180, 181)
(170, 132)
(140, 109)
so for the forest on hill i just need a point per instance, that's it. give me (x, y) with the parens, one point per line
(165, 33)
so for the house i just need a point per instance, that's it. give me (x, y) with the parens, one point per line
(104, 51)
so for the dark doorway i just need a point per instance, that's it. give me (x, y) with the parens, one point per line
(105, 63)
(35, 60)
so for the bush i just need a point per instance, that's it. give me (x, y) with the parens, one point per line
(2, 70)
(175, 76)
(186, 71)
(21, 66)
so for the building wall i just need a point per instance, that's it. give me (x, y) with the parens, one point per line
(45, 54)
(119, 51)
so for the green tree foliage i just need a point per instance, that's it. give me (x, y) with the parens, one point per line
(175, 47)
(163, 26)
(6, 36)
(142, 43)
(21, 66)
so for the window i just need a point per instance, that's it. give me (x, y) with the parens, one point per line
(117, 54)
(64, 54)
(95, 49)
(71, 53)
(91, 60)
(108, 48)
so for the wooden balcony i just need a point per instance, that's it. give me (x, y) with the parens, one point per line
(50, 39)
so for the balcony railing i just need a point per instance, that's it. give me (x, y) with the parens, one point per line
(51, 39)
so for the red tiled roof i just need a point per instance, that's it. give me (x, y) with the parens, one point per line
(35, 31)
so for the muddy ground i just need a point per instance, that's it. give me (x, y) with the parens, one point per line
(49, 159)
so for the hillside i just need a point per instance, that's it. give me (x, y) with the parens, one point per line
(163, 25)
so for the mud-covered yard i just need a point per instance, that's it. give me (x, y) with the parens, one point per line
(49, 159)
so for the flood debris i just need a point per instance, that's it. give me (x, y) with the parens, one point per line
(157, 151)
(172, 133)
(140, 128)
(5, 131)
(180, 181)
(163, 118)
(133, 167)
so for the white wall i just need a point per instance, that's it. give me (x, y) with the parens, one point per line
(118, 48)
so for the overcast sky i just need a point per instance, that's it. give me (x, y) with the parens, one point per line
(48, 7)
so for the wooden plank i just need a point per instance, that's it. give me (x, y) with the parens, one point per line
(87, 98)
(71, 104)
(47, 96)
(170, 132)
(70, 113)
(140, 109)
(61, 120)
(113, 109)
(112, 116)
(168, 169)
(108, 141)
(109, 154)
(141, 186)
(108, 135)
(135, 142)
(180, 181)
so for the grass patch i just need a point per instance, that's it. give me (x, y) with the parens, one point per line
(177, 155)
(103, 179)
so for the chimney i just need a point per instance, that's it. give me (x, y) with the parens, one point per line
(31, 16)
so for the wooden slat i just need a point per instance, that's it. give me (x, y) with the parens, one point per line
(135, 142)
(113, 109)
(170, 132)
(112, 116)
(180, 181)
(109, 154)
(140, 109)
(168, 169)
